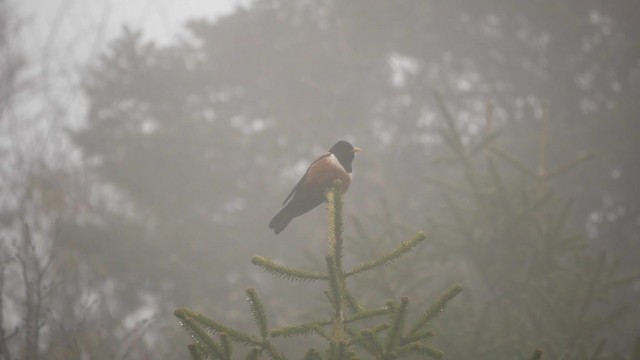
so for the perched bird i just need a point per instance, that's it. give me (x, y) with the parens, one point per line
(309, 191)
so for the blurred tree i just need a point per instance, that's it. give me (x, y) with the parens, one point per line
(536, 282)
(532, 280)
(50, 305)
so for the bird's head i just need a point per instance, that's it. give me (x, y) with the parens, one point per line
(345, 153)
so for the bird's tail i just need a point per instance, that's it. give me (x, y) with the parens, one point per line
(281, 220)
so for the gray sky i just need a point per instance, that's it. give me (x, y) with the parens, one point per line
(80, 28)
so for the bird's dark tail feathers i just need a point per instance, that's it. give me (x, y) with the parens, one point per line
(281, 220)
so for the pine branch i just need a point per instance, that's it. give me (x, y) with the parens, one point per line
(372, 344)
(203, 322)
(384, 259)
(195, 352)
(420, 348)
(484, 143)
(336, 224)
(316, 326)
(323, 334)
(380, 328)
(257, 311)
(299, 330)
(338, 350)
(396, 325)
(227, 347)
(254, 354)
(335, 288)
(202, 337)
(514, 162)
(312, 354)
(356, 335)
(275, 355)
(570, 165)
(198, 323)
(417, 336)
(352, 302)
(287, 272)
(435, 308)
(367, 314)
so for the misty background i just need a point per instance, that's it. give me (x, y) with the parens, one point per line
(148, 145)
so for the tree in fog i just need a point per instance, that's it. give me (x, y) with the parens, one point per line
(50, 303)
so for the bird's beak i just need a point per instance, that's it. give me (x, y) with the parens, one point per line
(355, 150)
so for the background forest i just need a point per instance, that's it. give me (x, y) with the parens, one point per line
(507, 131)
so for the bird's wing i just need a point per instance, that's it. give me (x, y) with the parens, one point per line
(303, 179)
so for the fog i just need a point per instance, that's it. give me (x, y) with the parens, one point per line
(140, 177)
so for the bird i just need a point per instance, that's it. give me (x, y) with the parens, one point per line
(309, 192)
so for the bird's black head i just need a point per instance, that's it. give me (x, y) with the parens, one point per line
(345, 153)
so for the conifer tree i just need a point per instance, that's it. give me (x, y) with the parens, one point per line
(544, 285)
(531, 280)
(351, 331)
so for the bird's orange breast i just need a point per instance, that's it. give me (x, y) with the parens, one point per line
(324, 172)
